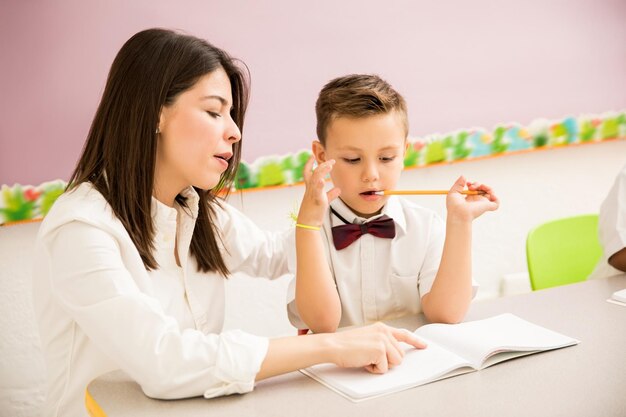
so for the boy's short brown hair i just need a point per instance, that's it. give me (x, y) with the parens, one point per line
(357, 96)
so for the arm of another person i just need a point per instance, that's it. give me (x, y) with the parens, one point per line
(317, 299)
(612, 223)
(618, 260)
(451, 292)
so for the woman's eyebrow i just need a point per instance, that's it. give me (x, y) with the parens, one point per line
(216, 97)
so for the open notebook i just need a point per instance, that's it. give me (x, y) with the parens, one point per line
(618, 297)
(453, 349)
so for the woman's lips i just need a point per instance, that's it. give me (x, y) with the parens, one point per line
(223, 162)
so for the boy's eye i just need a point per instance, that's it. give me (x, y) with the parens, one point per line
(352, 160)
(387, 158)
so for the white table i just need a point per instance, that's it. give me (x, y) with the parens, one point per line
(585, 380)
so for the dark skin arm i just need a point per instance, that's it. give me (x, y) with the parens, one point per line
(618, 260)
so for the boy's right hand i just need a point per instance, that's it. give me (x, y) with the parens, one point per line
(375, 347)
(315, 201)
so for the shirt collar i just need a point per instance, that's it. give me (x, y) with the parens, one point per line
(166, 213)
(193, 200)
(163, 213)
(392, 209)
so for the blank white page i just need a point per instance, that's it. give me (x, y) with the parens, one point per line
(418, 367)
(477, 340)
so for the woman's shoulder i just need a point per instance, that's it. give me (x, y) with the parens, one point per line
(83, 198)
(227, 215)
(82, 203)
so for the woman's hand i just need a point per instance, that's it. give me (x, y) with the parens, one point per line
(468, 207)
(315, 201)
(375, 347)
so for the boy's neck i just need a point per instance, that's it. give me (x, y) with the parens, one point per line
(362, 215)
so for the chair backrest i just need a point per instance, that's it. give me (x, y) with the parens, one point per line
(563, 251)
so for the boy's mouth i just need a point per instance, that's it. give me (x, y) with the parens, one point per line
(372, 192)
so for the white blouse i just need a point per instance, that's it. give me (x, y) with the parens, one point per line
(378, 278)
(612, 226)
(100, 310)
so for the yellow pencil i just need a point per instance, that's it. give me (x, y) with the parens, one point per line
(425, 192)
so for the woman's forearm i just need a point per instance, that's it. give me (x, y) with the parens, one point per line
(375, 347)
(292, 353)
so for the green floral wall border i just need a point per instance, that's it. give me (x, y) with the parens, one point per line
(19, 203)
(22, 203)
(461, 144)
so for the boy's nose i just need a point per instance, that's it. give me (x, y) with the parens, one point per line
(370, 174)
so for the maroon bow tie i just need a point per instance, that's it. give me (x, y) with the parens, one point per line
(346, 234)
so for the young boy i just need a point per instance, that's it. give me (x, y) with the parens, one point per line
(373, 257)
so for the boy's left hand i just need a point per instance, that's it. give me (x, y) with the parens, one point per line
(469, 207)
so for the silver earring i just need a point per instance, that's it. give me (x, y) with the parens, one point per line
(157, 131)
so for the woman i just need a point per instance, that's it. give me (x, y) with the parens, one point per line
(131, 261)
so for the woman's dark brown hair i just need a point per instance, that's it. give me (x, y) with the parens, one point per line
(150, 71)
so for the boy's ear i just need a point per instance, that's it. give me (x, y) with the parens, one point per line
(318, 151)
(406, 149)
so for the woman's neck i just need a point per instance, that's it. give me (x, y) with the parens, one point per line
(166, 196)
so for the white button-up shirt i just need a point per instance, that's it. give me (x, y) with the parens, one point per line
(100, 310)
(612, 226)
(379, 278)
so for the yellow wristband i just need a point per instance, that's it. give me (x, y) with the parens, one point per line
(306, 226)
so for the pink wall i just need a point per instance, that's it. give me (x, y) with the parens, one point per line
(473, 63)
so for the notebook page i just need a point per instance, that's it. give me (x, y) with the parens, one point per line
(419, 366)
(477, 340)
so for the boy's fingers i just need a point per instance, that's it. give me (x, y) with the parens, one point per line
(308, 167)
(478, 186)
(493, 205)
(488, 192)
(333, 193)
(458, 184)
(491, 196)
(317, 185)
(325, 167)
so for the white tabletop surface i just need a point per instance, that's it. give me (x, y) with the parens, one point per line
(588, 379)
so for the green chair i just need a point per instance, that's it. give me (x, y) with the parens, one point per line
(563, 251)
